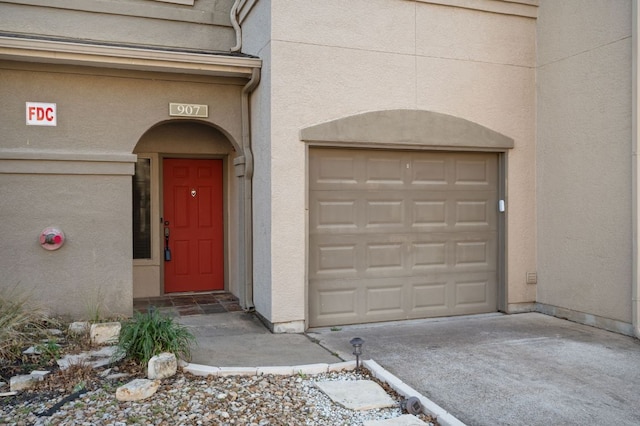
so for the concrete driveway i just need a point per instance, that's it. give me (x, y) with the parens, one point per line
(524, 369)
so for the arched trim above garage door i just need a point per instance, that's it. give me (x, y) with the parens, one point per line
(404, 128)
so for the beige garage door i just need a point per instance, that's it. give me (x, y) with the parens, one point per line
(398, 235)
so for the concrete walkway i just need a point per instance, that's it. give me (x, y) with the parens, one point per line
(525, 369)
(238, 339)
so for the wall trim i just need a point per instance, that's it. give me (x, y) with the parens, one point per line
(635, 170)
(139, 9)
(586, 319)
(287, 327)
(121, 57)
(520, 308)
(523, 8)
(66, 163)
(406, 129)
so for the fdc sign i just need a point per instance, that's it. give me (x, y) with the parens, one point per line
(41, 114)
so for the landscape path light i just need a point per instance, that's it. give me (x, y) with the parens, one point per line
(357, 343)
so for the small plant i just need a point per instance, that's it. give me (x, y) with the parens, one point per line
(49, 350)
(76, 376)
(150, 334)
(25, 410)
(20, 323)
(134, 420)
(79, 386)
(94, 307)
(335, 329)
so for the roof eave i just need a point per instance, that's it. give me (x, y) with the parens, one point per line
(122, 57)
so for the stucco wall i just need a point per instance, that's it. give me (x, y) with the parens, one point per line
(77, 175)
(333, 59)
(257, 41)
(205, 25)
(92, 270)
(584, 156)
(105, 110)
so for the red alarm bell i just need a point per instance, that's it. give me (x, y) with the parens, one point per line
(51, 238)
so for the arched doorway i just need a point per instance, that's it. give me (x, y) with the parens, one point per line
(184, 206)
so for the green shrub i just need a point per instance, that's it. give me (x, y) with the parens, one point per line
(21, 324)
(150, 334)
(49, 350)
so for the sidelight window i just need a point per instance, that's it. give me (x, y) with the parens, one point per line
(142, 209)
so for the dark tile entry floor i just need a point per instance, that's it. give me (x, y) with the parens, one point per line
(189, 304)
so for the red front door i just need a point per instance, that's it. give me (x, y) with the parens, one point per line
(193, 222)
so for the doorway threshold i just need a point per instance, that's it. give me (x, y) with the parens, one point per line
(184, 304)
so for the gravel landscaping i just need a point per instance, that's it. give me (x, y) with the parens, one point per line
(95, 374)
(185, 399)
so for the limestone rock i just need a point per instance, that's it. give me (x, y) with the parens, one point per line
(79, 328)
(32, 350)
(39, 375)
(162, 366)
(23, 382)
(105, 333)
(356, 394)
(117, 376)
(96, 359)
(137, 390)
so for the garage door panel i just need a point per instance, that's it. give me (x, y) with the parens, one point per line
(472, 213)
(407, 234)
(478, 211)
(429, 256)
(472, 253)
(471, 293)
(384, 256)
(384, 213)
(384, 171)
(336, 260)
(475, 172)
(387, 299)
(474, 293)
(336, 303)
(428, 213)
(431, 172)
(333, 171)
(335, 213)
(429, 297)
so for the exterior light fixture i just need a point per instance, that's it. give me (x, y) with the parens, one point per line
(357, 342)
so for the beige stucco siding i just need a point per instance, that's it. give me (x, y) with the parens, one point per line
(205, 25)
(330, 61)
(92, 270)
(104, 110)
(77, 175)
(584, 157)
(257, 41)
